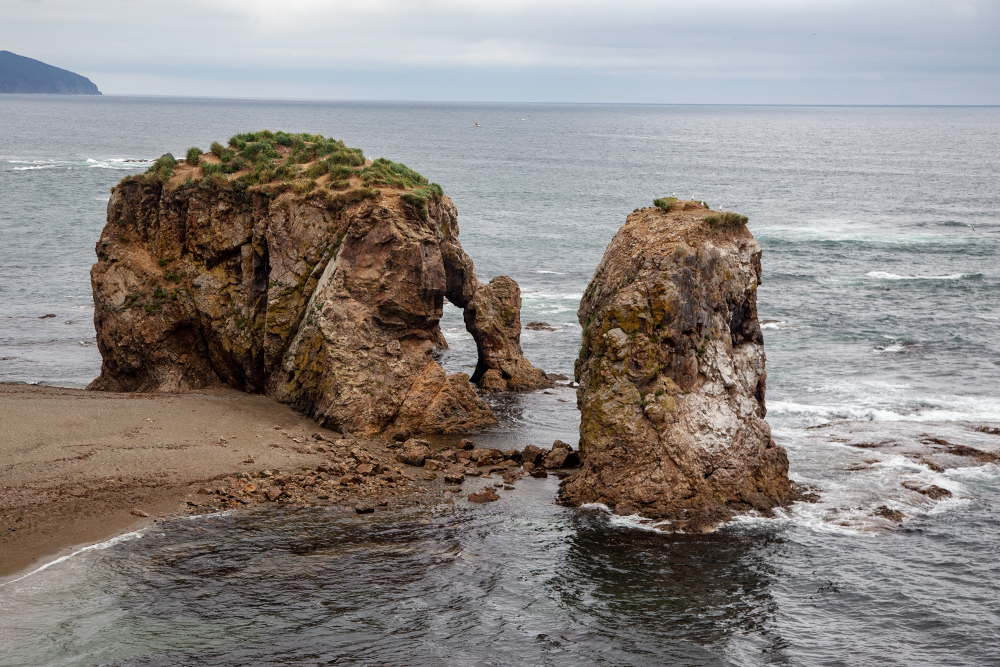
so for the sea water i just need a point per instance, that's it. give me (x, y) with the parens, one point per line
(881, 316)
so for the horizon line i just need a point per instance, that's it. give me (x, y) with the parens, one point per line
(421, 101)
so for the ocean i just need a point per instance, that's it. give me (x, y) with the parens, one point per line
(880, 229)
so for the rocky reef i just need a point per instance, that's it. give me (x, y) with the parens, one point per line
(671, 374)
(291, 266)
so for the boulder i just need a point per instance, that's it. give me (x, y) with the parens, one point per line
(533, 454)
(671, 374)
(485, 496)
(414, 453)
(561, 458)
(274, 276)
(555, 459)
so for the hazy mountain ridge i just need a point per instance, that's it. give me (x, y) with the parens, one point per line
(19, 74)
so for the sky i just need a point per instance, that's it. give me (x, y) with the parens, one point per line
(602, 51)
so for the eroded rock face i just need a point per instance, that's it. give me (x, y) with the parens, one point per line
(672, 377)
(325, 300)
(493, 316)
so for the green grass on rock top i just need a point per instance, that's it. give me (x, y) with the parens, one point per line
(299, 162)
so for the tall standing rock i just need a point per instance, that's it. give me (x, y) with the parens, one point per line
(493, 317)
(288, 265)
(671, 374)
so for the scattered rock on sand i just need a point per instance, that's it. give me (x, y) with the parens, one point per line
(414, 452)
(138, 512)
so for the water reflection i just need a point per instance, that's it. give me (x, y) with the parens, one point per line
(517, 582)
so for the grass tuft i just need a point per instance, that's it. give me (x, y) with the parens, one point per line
(726, 220)
(194, 156)
(163, 167)
(666, 204)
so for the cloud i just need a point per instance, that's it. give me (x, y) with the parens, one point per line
(254, 45)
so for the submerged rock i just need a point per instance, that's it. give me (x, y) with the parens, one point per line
(671, 374)
(288, 265)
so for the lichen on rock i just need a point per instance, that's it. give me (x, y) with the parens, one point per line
(671, 374)
(289, 265)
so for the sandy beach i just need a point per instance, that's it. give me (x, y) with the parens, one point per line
(80, 467)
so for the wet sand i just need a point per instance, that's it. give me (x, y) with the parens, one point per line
(78, 467)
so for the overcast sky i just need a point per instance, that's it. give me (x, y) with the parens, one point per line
(713, 51)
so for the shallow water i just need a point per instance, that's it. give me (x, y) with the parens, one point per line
(880, 229)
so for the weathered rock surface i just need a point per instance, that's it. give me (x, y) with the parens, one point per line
(493, 316)
(322, 292)
(672, 377)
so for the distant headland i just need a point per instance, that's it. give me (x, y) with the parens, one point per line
(27, 75)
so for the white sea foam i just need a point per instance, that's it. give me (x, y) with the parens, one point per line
(957, 408)
(540, 296)
(92, 547)
(557, 273)
(883, 275)
(632, 521)
(774, 324)
(989, 473)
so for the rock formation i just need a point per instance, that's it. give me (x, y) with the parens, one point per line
(493, 316)
(671, 373)
(290, 266)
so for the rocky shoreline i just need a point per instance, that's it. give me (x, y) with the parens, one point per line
(364, 475)
(82, 466)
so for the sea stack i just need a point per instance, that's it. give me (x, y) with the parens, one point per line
(289, 265)
(671, 374)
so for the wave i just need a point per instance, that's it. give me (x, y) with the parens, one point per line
(894, 348)
(118, 164)
(938, 410)
(538, 296)
(884, 275)
(92, 547)
(557, 273)
(774, 324)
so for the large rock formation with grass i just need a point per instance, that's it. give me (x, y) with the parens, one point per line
(671, 373)
(288, 265)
